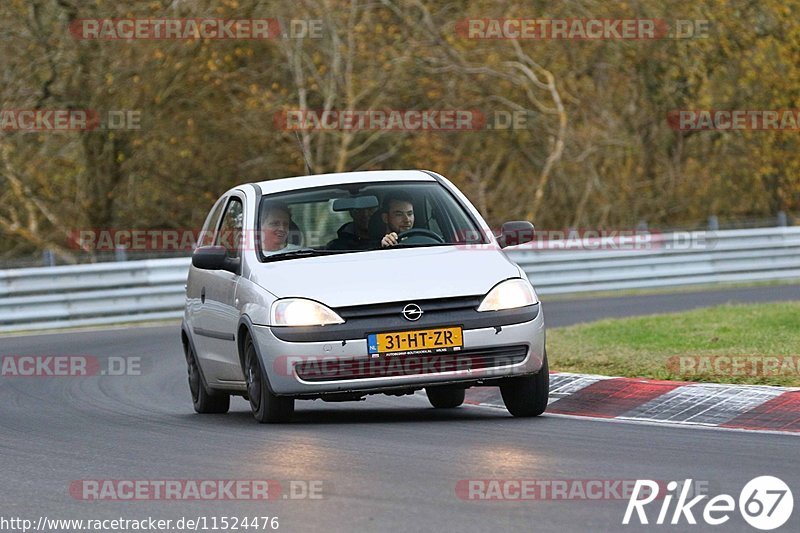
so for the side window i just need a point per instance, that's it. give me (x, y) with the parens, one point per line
(230, 232)
(209, 230)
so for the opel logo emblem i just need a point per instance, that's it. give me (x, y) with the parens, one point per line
(412, 312)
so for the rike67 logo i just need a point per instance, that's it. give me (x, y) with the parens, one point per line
(765, 503)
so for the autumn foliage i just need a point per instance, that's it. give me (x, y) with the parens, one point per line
(576, 131)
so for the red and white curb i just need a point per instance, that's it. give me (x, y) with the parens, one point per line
(748, 407)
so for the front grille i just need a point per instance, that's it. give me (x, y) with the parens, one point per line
(429, 307)
(331, 369)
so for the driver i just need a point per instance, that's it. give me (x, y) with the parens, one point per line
(398, 216)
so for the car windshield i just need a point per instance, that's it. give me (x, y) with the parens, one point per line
(358, 217)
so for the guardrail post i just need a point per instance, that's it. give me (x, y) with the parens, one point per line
(120, 254)
(782, 219)
(713, 223)
(48, 258)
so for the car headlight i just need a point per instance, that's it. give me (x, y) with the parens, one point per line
(509, 294)
(302, 312)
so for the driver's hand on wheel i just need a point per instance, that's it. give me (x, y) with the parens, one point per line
(390, 239)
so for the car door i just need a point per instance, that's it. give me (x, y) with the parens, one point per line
(218, 315)
(199, 278)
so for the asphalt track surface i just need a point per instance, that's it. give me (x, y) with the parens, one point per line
(568, 312)
(386, 464)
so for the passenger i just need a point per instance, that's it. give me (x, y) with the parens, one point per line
(276, 223)
(355, 235)
(398, 216)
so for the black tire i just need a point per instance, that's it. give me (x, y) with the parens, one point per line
(267, 408)
(205, 401)
(445, 397)
(526, 396)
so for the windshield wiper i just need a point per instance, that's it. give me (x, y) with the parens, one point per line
(302, 252)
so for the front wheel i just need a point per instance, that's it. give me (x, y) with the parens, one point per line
(266, 407)
(526, 396)
(204, 400)
(444, 397)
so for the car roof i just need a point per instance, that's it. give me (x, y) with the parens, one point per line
(321, 180)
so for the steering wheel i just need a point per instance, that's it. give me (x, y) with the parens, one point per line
(419, 236)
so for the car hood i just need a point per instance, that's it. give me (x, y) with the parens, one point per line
(387, 275)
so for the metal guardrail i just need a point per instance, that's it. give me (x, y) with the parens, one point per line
(135, 291)
(674, 259)
(84, 295)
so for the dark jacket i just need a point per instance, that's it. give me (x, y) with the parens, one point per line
(347, 239)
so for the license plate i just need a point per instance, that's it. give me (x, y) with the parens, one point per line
(420, 341)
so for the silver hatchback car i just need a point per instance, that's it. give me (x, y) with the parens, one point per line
(337, 286)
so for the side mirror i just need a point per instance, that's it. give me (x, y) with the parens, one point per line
(516, 232)
(214, 258)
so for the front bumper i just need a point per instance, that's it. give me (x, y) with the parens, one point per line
(337, 357)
